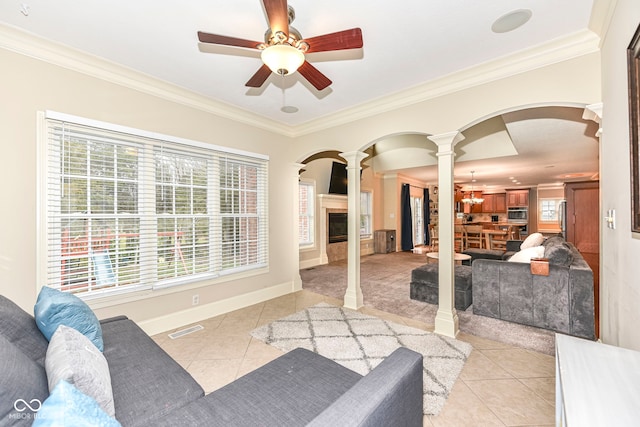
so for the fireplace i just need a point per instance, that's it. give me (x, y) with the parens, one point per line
(337, 225)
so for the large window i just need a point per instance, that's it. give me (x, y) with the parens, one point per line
(128, 210)
(306, 221)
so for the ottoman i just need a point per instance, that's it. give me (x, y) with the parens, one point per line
(424, 285)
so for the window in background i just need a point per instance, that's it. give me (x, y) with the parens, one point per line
(366, 208)
(418, 220)
(306, 219)
(549, 210)
(129, 210)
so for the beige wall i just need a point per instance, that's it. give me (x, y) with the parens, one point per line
(620, 278)
(28, 85)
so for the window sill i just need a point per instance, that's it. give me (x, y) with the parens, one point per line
(133, 296)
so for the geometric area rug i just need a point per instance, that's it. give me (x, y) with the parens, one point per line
(360, 342)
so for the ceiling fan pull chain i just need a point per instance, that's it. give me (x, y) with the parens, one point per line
(283, 95)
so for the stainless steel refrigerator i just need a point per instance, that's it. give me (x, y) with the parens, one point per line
(562, 217)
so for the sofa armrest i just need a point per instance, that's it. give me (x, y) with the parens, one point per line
(390, 395)
(113, 319)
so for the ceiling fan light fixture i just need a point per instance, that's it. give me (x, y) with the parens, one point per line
(282, 59)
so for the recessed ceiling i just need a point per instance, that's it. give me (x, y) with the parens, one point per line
(406, 43)
(525, 148)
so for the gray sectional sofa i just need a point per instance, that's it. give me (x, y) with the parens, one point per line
(151, 389)
(563, 301)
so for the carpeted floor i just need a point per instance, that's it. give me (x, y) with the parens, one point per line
(360, 342)
(384, 279)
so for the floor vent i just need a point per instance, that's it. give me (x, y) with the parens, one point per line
(183, 332)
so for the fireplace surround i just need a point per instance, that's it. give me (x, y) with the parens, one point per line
(337, 227)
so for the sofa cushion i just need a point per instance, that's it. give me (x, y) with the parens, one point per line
(525, 255)
(554, 240)
(532, 240)
(146, 381)
(54, 308)
(67, 406)
(23, 385)
(19, 328)
(72, 357)
(288, 391)
(559, 254)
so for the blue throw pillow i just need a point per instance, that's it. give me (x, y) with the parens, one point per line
(68, 406)
(54, 308)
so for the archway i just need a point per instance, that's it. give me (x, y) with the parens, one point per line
(470, 152)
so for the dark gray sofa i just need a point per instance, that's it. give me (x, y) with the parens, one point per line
(563, 301)
(151, 389)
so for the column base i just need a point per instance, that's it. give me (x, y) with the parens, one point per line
(446, 323)
(354, 302)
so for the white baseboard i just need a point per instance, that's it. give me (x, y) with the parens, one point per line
(308, 263)
(205, 311)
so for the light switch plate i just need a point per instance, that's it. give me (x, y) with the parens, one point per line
(610, 219)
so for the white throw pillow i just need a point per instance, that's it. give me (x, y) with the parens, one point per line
(532, 240)
(525, 255)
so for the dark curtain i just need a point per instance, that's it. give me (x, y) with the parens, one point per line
(426, 216)
(406, 233)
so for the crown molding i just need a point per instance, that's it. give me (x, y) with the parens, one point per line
(575, 45)
(601, 16)
(30, 45)
(578, 44)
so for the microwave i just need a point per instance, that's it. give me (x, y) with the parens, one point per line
(518, 215)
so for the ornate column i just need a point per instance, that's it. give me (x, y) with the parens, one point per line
(446, 322)
(353, 296)
(296, 279)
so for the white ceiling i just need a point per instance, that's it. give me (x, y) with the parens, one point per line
(406, 43)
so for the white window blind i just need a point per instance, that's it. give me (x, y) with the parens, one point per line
(366, 209)
(129, 210)
(306, 221)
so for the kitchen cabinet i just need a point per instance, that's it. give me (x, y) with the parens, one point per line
(501, 203)
(518, 198)
(494, 203)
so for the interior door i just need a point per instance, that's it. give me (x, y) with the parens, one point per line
(583, 230)
(583, 218)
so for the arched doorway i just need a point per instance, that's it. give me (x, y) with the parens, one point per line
(489, 139)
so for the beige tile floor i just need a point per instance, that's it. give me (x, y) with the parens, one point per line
(500, 385)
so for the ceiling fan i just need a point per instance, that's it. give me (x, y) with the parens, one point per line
(284, 48)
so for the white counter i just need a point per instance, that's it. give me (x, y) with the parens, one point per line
(596, 384)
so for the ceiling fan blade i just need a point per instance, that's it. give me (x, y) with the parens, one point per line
(259, 77)
(347, 39)
(315, 77)
(278, 15)
(226, 40)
